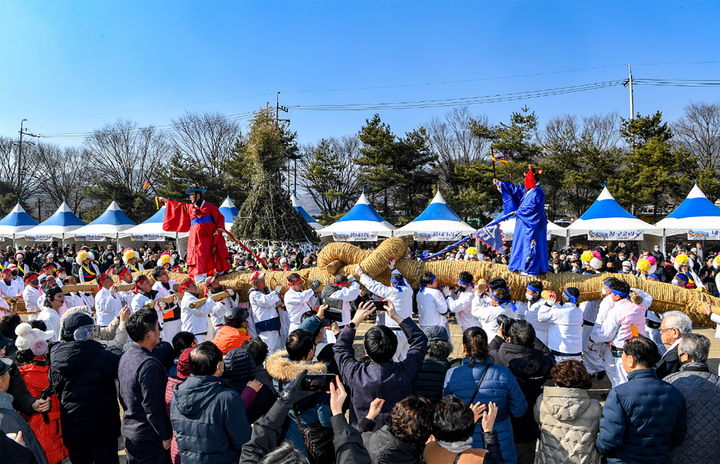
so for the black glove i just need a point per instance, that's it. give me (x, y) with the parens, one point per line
(292, 392)
(315, 285)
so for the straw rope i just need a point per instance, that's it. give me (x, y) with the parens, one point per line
(343, 258)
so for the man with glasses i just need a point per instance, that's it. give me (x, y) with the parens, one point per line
(673, 327)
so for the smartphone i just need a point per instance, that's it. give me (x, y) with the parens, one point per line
(317, 382)
(379, 305)
(333, 315)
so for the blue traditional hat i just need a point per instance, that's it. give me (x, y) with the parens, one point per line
(195, 189)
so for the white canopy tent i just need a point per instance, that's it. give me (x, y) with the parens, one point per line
(507, 229)
(109, 225)
(361, 224)
(151, 230)
(606, 220)
(229, 211)
(16, 222)
(309, 219)
(437, 223)
(696, 216)
(57, 226)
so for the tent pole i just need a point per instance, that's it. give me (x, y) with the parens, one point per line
(662, 243)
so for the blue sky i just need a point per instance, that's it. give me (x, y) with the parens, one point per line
(73, 66)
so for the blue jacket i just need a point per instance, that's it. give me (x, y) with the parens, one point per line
(209, 421)
(498, 386)
(643, 419)
(391, 381)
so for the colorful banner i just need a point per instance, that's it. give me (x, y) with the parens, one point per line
(703, 234)
(446, 236)
(615, 235)
(354, 237)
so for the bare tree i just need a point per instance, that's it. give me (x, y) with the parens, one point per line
(330, 175)
(126, 154)
(61, 174)
(452, 140)
(9, 151)
(207, 138)
(699, 131)
(601, 131)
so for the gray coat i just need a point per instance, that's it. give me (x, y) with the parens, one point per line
(701, 390)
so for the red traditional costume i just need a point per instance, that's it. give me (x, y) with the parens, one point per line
(202, 223)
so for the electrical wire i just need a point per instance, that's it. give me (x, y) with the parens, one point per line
(462, 101)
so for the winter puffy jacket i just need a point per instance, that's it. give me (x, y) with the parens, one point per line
(385, 448)
(499, 386)
(84, 376)
(313, 409)
(531, 369)
(430, 378)
(643, 419)
(49, 433)
(209, 421)
(701, 390)
(569, 422)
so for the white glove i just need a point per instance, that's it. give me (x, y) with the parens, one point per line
(391, 264)
(446, 291)
(278, 288)
(230, 292)
(359, 271)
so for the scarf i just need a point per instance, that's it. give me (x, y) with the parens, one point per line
(456, 447)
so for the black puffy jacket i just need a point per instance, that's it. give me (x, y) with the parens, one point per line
(84, 374)
(430, 378)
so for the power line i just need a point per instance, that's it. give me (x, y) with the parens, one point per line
(462, 101)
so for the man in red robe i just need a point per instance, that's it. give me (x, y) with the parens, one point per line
(207, 253)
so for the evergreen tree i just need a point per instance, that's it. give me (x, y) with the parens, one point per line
(266, 213)
(376, 161)
(656, 172)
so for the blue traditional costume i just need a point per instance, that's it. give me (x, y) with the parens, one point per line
(529, 252)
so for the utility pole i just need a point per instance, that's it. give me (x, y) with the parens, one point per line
(19, 157)
(629, 84)
(284, 109)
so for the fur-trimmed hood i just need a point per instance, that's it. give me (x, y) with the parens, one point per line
(281, 368)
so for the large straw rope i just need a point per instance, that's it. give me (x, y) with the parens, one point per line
(343, 258)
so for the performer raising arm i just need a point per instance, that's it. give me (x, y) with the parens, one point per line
(206, 252)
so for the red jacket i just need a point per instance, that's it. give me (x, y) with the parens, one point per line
(48, 434)
(228, 338)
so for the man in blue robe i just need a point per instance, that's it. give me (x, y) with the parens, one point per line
(529, 252)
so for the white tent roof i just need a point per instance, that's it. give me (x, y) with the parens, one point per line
(361, 223)
(438, 222)
(507, 228)
(16, 221)
(58, 225)
(229, 211)
(108, 224)
(696, 212)
(309, 219)
(606, 214)
(152, 229)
